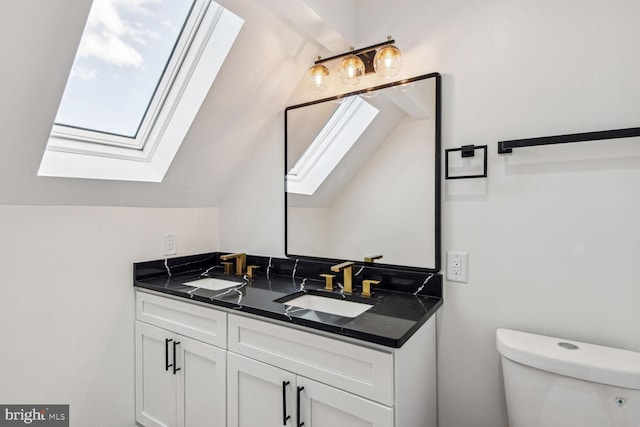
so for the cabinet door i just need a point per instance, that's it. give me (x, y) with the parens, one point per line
(324, 406)
(259, 394)
(202, 387)
(155, 381)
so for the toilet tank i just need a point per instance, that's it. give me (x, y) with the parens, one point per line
(553, 382)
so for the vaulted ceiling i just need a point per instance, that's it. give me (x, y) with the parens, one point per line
(261, 75)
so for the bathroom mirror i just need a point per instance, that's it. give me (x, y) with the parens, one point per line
(362, 176)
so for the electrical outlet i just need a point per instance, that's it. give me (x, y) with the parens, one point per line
(170, 244)
(457, 266)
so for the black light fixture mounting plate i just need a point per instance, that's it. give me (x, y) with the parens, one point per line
(363, 53)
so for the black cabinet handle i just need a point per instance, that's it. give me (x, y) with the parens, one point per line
(175, 368)
(298, 407)
(166, 354)
(285, 417)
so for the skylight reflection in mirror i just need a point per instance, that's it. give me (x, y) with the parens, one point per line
(338, 135)
(124, 52)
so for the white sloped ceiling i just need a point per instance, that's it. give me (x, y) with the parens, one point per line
(38, 42)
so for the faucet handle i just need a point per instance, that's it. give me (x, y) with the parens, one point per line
(372, 258)
(227, 267)
(366, 287)
(251, 271)
(328, 281)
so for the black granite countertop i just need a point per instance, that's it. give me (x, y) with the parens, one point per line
(400, 305)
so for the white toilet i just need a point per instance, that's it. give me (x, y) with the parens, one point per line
(552, 382)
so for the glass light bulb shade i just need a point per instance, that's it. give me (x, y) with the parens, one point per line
(387, 61)
(350, 70)
(317, 77)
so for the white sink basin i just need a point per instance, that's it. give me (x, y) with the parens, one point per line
(338, 307)
(212, 284)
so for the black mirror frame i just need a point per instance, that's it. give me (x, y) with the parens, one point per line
(437, 169)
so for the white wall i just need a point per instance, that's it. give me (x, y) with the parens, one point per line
(553, 233)
(67, 301)
(252, 212)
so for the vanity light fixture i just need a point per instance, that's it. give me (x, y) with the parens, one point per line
(384, 59)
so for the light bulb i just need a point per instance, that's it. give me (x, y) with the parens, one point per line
(317, 77)
(350, 70)
(387, 61)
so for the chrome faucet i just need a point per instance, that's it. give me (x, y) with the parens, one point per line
(347, 268)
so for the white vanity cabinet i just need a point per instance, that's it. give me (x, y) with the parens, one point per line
(180, 363)
(326, 382)
(238, 370)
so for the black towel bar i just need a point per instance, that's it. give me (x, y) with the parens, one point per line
(508, 146)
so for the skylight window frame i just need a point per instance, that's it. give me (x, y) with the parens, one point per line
(75, 139)
(210, 46)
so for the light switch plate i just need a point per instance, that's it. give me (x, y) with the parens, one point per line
(457, 266)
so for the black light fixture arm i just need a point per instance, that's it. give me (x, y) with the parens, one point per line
(356, 52)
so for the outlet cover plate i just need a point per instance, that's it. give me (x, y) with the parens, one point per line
(457, 266)
(170, 244)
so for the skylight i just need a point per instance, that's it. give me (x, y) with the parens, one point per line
(142, 70)
(124, 51)
(342, 130)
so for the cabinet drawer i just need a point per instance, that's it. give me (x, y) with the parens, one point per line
(350, 367)
(201, 323)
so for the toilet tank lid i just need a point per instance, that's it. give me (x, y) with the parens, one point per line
(589, 362)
